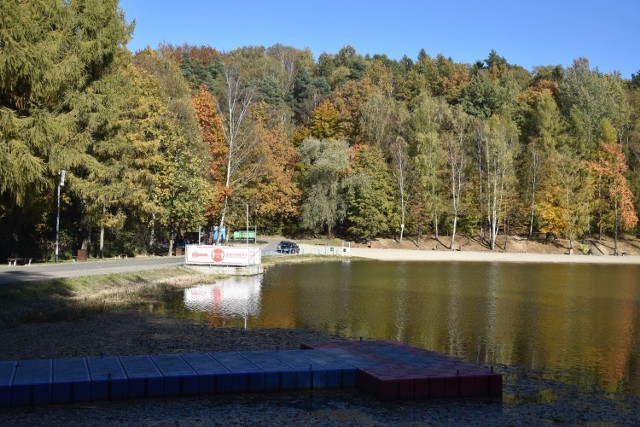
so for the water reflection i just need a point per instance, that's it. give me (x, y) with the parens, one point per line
(231, 297)
(581, 321)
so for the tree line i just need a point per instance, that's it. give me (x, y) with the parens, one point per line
(162, 141)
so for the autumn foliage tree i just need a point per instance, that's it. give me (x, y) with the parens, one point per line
(309, 144)
(185, 185)
(611, 167)
(325, 121)
(210, 123)
(565, 196)
(349, 101)
(274, 193)
(271, 192)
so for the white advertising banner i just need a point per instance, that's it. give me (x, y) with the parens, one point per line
(222, 255)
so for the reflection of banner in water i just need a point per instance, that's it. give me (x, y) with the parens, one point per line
(234, 296)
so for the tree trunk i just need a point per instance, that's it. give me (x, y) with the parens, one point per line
(222, 218)
(17, 231)
(600, 230)
(506, 232)
(599, 208)
(172, 236)
(535, 164)
(615, 228)
(85, 229)
(453, 233)
(479, 151)
(102, 241)
(401, 160)
(152, 232)
(101, 248)
(456, 188)
(533, 201)
(492, 234)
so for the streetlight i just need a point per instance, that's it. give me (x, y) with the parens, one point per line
(62, 173)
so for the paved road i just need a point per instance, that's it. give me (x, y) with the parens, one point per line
(30, 273)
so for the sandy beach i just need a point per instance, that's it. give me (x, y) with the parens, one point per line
(420, 255)
(384, 254)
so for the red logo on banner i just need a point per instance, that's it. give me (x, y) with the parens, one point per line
(195, 254)
(217, 255)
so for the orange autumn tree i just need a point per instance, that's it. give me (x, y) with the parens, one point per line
(275, 192)
(212, 134)
(270, 192)
(349, 100)
(610, 168)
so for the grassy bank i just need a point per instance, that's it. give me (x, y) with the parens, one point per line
(72, 298)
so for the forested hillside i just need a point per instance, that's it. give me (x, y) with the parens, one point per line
(159, 142)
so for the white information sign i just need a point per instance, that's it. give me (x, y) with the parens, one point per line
(222, 255)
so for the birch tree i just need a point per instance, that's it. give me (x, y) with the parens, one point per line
(456, 141)
(500, 146)
(428, 155)
(237, 97)
(380, 117)
(402, 170)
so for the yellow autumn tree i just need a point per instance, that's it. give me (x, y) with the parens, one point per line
(566, 196)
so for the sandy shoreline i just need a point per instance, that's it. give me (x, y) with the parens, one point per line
(474, 256)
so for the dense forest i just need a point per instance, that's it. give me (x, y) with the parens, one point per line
(159, 142)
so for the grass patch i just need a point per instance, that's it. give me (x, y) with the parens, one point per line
(72, 298)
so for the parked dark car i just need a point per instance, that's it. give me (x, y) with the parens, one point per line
(287, 247)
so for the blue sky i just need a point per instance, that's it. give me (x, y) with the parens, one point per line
(526, 33)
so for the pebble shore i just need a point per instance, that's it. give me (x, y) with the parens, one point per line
(529, 398)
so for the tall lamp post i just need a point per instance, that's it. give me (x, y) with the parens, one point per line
(60, 184)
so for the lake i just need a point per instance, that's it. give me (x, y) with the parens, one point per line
(578, 323)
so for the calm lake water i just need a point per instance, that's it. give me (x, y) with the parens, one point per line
(580, 323)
